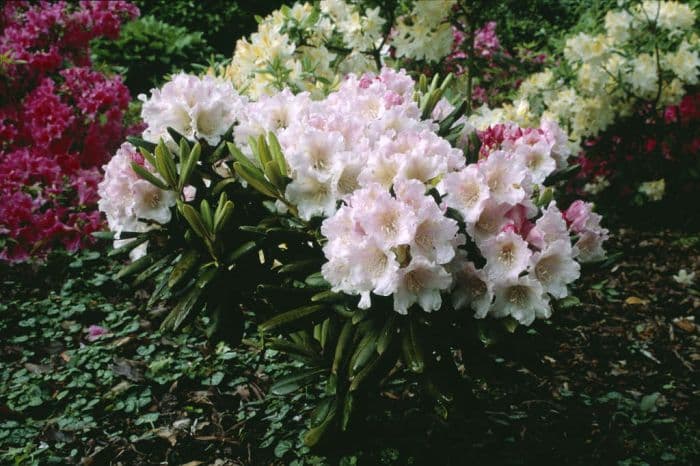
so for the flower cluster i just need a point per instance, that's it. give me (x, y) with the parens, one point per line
(402, 213)
(129, 202)
(37, 39)
(369, 131)
(292, 48)
(370, 239)
(198, 108)
(58, 123)
(201, 109)
(528, 253)
(647, 53)
(426, 33)
(367, 146)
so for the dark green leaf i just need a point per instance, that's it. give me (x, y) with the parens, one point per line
(291, 316)
(291, 383)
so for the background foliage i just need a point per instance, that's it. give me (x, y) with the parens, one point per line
(177, 35)
(148, 49)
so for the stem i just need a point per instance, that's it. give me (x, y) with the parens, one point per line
(376, 52)
(471, 35)
(470, 65)
(658, 75)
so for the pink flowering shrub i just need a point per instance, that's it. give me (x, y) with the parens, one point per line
(59, 121)
(649, 157)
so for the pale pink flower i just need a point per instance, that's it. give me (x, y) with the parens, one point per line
(472, 288)
(504, 175)
(507, 255)
(550, 227)
(522, 298)
(466, 192)
(421, 282)
(555, 268)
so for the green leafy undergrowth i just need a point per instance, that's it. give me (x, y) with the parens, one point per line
(68, 395)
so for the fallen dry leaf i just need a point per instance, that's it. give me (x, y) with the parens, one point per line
(685, 325)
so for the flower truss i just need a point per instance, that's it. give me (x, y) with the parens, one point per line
(304, 47)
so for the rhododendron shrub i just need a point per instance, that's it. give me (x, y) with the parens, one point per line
(59, 121)
(627, 78)
(305, 47)
(649, 158)
(356, 229)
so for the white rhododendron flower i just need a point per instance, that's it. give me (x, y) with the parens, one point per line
(126, 199)
(473, 288)
(270, 113)
(589, 247)
(466, 192)
(491, 221)
(618, 24)
(421, 282)
(586, 223)
(560, 147)
(312, 196)
(425, 35)
(549, 228)
(523, 299)
(684, 278)
(504, 175)
(390, 221)
(151, 202)
(198, 108)
(684, 63)
(653, 190)
(555, 268)
(130, 203)
(643, 77)
(671, 15)
(507, 255)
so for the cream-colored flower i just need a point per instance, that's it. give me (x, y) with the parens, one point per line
(684, 63)
(618, 25)
(653, 190)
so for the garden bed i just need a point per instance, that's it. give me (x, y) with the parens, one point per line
(611, 380)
